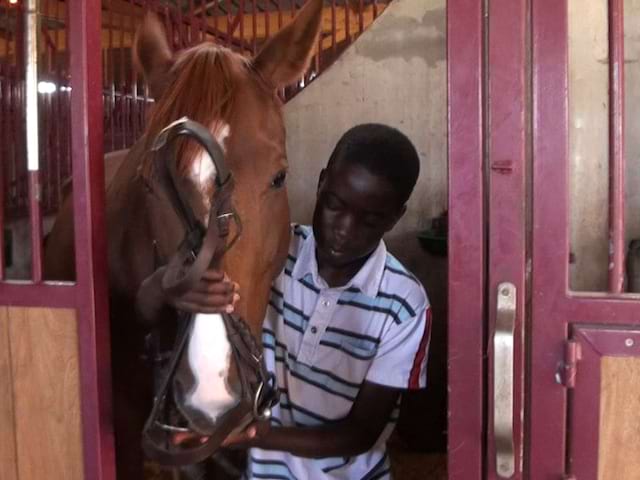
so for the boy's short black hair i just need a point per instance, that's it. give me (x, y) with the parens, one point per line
(382, 150)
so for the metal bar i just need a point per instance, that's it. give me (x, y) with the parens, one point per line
(32, 28)
(333, 27)
(35, 213)
(347, 22)
(31, 84)
(90, 239)
(267, 20)
(616, 146)
(254, 24)
(466, 257)
(240, 17)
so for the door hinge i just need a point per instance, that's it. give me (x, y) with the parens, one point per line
(568, 368)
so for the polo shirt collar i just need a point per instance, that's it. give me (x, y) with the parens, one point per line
(367, 280)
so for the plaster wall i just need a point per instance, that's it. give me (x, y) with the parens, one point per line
(395, 73)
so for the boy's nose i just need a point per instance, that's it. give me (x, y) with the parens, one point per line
(343, 227)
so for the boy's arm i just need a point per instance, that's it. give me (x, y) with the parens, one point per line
(353, 435)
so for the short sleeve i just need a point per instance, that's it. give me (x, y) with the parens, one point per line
(401, 359)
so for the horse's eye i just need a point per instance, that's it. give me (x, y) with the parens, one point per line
(279, 180)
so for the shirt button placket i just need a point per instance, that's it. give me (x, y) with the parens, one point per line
(319, 320)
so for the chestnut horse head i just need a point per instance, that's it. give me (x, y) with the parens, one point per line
(236, 99)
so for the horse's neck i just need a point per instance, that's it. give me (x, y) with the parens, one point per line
(130, 242)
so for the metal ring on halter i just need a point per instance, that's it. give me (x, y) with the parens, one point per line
(266, 413)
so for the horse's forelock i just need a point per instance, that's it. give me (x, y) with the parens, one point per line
(203, 86)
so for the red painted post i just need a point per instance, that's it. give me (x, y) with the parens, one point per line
(466, 240)
(616, 146)
(4, 135)
(90, 238)
(506, 220)
(550, 251)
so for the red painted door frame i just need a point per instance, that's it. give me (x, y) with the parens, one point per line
(487, 235)
(466, 261)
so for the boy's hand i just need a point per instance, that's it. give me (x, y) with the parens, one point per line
(214, 293)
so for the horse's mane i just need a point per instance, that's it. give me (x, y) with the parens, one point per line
(202, 86)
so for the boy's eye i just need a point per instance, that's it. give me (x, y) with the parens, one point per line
(332, 203)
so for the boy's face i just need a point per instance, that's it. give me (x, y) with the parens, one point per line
(354, 209)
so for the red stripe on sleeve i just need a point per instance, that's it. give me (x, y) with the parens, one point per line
(414, 377)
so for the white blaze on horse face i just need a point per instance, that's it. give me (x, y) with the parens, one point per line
(203, 170)
(210, 361)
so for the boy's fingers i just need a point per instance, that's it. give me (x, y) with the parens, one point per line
(214, 275)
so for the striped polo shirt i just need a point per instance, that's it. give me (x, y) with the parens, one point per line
(322, 343)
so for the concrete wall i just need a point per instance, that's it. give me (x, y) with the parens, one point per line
(395, 74)
(589, 136)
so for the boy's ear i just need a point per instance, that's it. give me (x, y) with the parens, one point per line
(286, 56)
(397, 217)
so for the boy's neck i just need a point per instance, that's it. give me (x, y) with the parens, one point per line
(340, 276)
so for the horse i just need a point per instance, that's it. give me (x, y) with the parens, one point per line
(236, 99)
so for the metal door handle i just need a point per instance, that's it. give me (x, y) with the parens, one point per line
(503, 380)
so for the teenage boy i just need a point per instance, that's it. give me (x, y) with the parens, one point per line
(347, 327)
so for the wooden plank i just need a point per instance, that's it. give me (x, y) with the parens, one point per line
(619, 419)
(44, 353)
(8, 469)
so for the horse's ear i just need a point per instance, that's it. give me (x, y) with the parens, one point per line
(151, 53)
(286, 55)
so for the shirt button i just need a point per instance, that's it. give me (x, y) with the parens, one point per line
(314, 330)
(326, 303)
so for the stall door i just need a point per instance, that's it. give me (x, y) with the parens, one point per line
(544, 359)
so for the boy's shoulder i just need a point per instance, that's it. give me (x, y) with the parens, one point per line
(398, 281)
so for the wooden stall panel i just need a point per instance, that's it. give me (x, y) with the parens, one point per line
(44, 360)
(619, 419)
(7, 424)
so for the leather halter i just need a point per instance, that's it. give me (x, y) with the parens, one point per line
(201, 248)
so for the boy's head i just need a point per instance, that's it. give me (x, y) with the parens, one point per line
(383, 151)
(362, 193)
